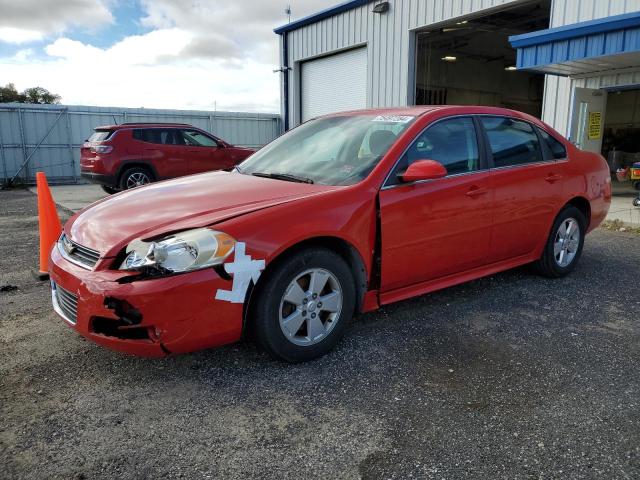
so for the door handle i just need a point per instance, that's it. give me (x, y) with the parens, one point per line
(553, 177)
(477, 191)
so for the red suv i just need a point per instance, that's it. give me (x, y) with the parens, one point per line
(119, 157)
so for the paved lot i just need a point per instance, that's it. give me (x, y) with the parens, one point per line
(512, 376)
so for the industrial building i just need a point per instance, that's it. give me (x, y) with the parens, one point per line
(574, 63)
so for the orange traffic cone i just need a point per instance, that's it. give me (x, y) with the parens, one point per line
(50, 227)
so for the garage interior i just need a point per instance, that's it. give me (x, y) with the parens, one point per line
(470, 61)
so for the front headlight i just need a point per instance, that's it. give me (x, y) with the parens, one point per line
(181, 252)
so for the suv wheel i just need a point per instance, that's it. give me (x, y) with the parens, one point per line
(109, 190)
(135, 177)
(304, 306)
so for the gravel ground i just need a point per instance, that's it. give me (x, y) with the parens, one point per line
(511, 376)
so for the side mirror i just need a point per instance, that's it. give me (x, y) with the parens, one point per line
(424, 170)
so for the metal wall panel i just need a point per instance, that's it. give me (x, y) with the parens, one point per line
(389, 40)
(52, 134)
(388, 37)
(556, 109)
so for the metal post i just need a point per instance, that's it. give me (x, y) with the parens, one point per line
(210, 123)
(25, 157)
(3, 159)
(28, 157)
(70, 146)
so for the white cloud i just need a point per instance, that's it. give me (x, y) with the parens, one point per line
(23, 21)
(19, 35)
(23, 55)
(199, 53)
(87, 75)
(158, 46)
(230, 29)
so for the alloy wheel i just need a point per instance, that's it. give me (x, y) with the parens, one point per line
(310, 307)
(137, 179)
(567, 242)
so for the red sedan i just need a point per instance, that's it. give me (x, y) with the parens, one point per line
(339, 216)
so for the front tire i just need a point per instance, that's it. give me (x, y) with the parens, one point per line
(564, 245)
(304, 305)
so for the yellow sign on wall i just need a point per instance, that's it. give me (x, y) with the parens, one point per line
(595, 125)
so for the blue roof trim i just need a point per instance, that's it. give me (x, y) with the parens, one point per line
(321, 15)
(602, 25)
(586, 47)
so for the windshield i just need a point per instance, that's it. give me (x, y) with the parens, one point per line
(328, 151)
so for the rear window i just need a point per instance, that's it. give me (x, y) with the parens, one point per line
(557, 149)
(100, 135)
(513, 142)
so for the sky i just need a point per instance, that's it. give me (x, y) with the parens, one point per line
(182, 54)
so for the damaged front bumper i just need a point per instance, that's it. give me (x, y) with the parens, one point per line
(150, 317)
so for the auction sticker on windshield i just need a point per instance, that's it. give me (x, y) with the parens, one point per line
(393, 118)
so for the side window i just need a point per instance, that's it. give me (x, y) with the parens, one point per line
(451, 142)
(512, 142)
(194, 138)
(557, 149)
(139, 134)
(160, 136)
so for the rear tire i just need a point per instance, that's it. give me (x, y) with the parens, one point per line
(636, 202)
(564, 245)
(290, 320)
(109, 190)
(135, 177)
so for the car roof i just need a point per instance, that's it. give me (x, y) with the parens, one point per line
(144, 125)
(420, 110)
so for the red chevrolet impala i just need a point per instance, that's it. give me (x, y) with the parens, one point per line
(339, 216)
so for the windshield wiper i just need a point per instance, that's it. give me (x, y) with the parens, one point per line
(283, 176)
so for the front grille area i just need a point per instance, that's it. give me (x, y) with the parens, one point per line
(78, 254)
(66, 302)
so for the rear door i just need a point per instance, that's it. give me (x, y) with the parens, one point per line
(435, 228)
(205, 153)
(162, 149)
(527, 185)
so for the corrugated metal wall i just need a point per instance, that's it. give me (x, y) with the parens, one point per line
(556, 110)
(389, 38)
(58, 131)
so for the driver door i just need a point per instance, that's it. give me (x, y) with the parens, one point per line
(204, 153)
(435, 228)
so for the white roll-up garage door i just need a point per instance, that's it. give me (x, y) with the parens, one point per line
(334, 84)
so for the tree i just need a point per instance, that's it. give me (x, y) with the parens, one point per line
(9, 94)
(36, 95)
(40, 95)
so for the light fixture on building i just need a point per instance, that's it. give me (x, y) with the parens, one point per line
(382, 7)
(449, 58)
(462, 22)
(511, 68)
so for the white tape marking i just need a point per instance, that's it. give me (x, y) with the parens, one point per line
(244, 270)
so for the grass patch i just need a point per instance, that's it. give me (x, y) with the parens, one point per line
(619, 226)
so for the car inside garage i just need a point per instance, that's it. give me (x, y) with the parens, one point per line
(470, 61)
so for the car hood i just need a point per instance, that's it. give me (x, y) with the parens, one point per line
(188, 202)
